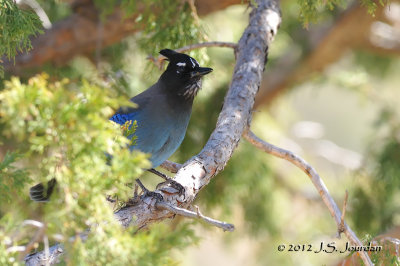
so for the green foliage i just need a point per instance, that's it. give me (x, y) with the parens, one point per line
(166, 24)
(55, 9)
(128, 130)
(377, 197)
(372, 5)
(143, 248)
(174, 26)
(12, 179)
(108, 6)
(16, 26)
(63, 129)
(375, 64)
(311, 10)
(377, 193)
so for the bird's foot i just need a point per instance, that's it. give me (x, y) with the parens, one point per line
(168, 180)
(149, 193)
(174, 184)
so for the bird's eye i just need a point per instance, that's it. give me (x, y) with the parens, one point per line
(180, 69)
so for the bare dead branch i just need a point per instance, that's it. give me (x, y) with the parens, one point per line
(33, 223)
(341, 227)
(195, 215)
(46, 249)
(315, 179)
(13, 249)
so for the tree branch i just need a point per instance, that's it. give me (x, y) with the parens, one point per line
(351, 30)
(78, 34)
(341, 228)
(195, 215)
(236, 112)
(316, 180)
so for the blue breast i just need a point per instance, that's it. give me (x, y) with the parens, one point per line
(160, 130)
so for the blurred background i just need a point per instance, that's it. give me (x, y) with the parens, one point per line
(329, 94)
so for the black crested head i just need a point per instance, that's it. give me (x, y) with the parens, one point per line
(183, 74)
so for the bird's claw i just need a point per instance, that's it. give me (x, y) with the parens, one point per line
(168, 180)
(154, 195)
(149, 193)
(173, 184)
(177, 186)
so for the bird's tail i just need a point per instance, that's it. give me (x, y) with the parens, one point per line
(42, 193)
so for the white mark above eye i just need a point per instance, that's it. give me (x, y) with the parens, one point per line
(193, 62)
(181, 64)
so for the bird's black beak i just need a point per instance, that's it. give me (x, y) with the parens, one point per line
(200, 71)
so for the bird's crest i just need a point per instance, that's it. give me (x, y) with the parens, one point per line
(179, 59)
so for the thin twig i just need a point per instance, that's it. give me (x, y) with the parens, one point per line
(46, 250)
(158, 61)
(341, 228)
(171, 166)
(195, 215)
(316, 180)
(33, 223)
(16, 249)
(206, 44)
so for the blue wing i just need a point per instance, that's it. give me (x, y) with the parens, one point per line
(122, 118)
(160, 128)
(151, 137)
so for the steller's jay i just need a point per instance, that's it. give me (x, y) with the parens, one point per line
(162, 114)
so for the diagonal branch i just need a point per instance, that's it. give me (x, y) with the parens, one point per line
(236, 112)
(316, 180)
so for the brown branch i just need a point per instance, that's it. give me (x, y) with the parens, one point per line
(236, 112)
(78, 34)
(351, 30)
(315, 179)
(195, 215)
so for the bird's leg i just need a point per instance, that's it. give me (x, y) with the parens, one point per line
(147, 192)
(168, 180)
